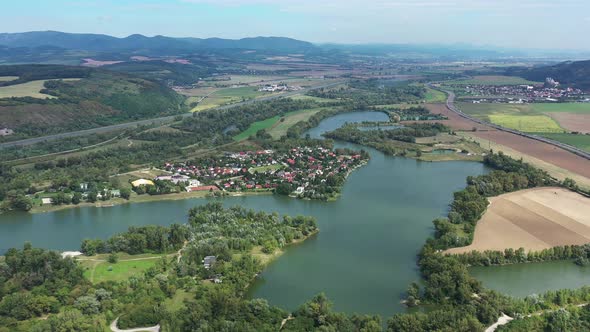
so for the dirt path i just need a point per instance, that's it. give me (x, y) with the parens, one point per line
(114, 328)
(285, 321)
(505, 319)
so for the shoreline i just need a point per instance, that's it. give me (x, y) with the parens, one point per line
(141, 199)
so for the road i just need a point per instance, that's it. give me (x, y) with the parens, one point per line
(451, 106)
(154, 121)
(114, 328)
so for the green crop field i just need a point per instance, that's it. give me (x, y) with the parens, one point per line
(255, 127)
(492, 80)
(583, 108)
(579, 141)
(527, 123)
(435, 96)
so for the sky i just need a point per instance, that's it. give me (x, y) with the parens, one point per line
(543, 24)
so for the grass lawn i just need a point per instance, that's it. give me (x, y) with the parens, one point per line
(97, 269)
(263, 169)
(583, 108)
(177, 301)
(527, 123)
(579, 141)
(492, 80)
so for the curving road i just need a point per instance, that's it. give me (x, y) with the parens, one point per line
(154, 121)
(451, 106)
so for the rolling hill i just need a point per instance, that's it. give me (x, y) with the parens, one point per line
(49, 99)
(105, 43)
(574, 73)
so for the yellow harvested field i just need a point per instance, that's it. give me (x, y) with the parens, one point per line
(532, 219)
(8, 78)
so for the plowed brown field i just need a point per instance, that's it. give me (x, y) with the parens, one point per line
(533, 219)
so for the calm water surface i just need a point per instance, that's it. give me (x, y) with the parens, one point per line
(363, 258)
(520, 280)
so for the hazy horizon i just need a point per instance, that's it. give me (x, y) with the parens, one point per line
(527, 24)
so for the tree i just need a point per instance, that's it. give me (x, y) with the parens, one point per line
(125, 193)
(113, 258)
(77, 198)
(87, 304)
(284, 189)
(22, 203)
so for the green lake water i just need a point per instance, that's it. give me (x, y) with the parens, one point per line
(363, 258)
(520, 280)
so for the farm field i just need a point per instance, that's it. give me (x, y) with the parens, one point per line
(533, 219)
(583, 108)
(8, 78)
(29, 89)
(492, 80)
(274, 126)
(579, 141)
(227, 96)
(514, 116)
(435, 96)
(527, 123)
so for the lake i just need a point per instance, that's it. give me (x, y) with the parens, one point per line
(363, 258)
(520, 280)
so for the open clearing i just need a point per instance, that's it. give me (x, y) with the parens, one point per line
(579, 141)
(532, 219)
(29, 89)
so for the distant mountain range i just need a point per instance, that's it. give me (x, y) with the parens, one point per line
(575, 73)
(105, 43)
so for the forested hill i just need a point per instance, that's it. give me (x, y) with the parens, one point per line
(105, 43)
(575, 73)
(38, 100)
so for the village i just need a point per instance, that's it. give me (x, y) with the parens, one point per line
(305, 172)
(520, 94)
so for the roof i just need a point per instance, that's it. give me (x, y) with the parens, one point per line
(142, 182)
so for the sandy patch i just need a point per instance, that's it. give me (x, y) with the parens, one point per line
(533, 219)
(572, 121)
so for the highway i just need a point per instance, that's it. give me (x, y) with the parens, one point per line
(154, 121)
(451, 106)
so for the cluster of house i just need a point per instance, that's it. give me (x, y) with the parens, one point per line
(303, 167)
(520, 94)
(278, 87)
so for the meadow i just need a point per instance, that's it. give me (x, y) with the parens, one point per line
(29, 89)
(97, 269)
(435, 96)
(227, 96)
(277, 126)
(8, 78)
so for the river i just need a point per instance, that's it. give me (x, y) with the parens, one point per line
(363, 258)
